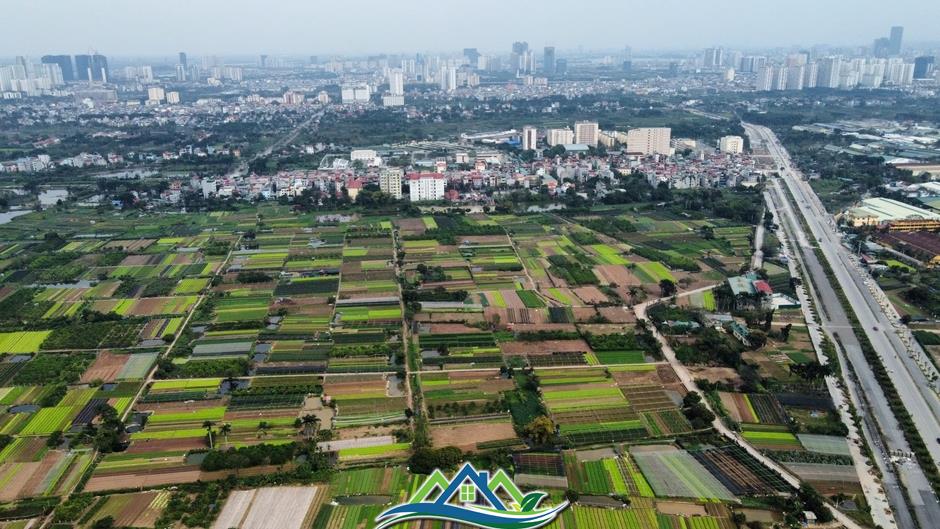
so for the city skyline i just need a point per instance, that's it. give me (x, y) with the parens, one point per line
(240, 27)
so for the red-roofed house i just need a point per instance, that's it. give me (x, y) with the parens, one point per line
(353, 187)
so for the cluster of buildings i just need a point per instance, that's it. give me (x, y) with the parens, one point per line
(798, 73)
(43, 162)
(904, 145)
(27, 78)
(893, 215)
(702, 169)
(645, 140)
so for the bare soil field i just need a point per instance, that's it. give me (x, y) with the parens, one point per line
(715, 374)
(617, 314)
(680, 508)
(548, 346)
(466, 436)
(105, 368)
(616, 274)
(166, 445)
(590, 295)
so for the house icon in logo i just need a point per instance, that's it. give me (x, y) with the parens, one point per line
(472, 497)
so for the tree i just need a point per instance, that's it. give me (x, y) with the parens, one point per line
(667, 287)
(208, 426)
(225, 429)
(104, 523)
(426, 460)
(311, 424)
(757, 338)
(541, 430)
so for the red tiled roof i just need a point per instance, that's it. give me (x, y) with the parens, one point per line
(762, 286)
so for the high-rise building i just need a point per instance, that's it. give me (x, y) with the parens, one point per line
(180, 73)
(356, 93)
(92, 68)
(396, 82)
(752, 63)
(765, 79)
(894, 40)
(529, 138)
(652, 140)
(731, 144)
(548, 60)
(182, 60)
(881, 47)
(555, 137)
(448, 78)
(713, 57)
(472, 56)
(424, 187)
(65, 64)
(923, 67)
(810, 75)
(830, 70)
(156, 94)
(795, 77)
(519, 57)
(173, 98)
(585, 133)
(390, 181)
(263, 61)
(561, 66)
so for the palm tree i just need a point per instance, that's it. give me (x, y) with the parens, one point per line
(310, 422)
(208, 426)
(225, 429)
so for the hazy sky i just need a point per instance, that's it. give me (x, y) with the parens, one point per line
(320, 27)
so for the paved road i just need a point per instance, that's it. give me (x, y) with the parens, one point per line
(886, 498)
(920, 497)
(908, 377)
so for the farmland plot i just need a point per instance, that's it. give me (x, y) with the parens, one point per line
(674, 473)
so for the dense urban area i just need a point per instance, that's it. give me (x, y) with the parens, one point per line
(677, 291)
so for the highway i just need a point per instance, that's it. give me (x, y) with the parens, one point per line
(910, 381)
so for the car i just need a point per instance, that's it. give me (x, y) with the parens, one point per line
(874, 328)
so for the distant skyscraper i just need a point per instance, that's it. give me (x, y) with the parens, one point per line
(65, 64)
(923, 67)
(472, 56)
(529, 138)
(752, 63)
(92, 68)
(897, 34)
(263, 61)
(519, 57)
(396, 82)
(830, 70)
(548, 60)
(881, 47)
(561, 66)
(182, 60)
(713, 57)
(765, 78)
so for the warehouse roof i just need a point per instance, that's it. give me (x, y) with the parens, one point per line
(886, 210)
